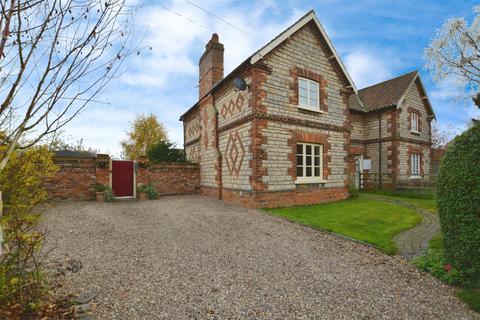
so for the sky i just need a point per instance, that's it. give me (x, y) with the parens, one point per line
(376, 40)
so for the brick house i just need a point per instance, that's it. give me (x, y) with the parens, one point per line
(300, 132)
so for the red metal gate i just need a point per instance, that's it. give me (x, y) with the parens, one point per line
(122, 178)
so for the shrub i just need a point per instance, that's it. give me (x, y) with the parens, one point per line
(151, 192)
(434, 262)
(98, 187)
(21, 277)
(458, 199)
(109, 196)
(107, 191)
(165, 151)
(353, 190)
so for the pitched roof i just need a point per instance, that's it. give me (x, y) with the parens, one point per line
(73, 154)
(387, 93)
(308, 17)
(275, 42)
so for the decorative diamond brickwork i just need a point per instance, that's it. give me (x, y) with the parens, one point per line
(234, 154)
(233, 106)
(193, 129)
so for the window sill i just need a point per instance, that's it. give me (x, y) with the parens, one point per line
(415, 177)
(415, 132)
(310, 109)
(310, 181)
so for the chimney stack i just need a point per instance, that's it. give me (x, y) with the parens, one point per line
(210, 65)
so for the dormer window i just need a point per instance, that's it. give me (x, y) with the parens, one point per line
(308, 96)
(414, 122)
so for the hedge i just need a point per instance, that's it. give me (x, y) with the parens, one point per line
(458, 199)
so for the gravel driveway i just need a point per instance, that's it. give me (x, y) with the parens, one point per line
(184, 257)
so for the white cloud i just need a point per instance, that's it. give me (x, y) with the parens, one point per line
(164, 80)
(367, 68)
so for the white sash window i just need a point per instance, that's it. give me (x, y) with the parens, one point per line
(309, 163)
(414, 122)
(308, 94)
(415, 164)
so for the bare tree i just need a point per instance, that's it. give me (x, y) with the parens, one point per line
(455, 52)
(440, 137)
(56, 56)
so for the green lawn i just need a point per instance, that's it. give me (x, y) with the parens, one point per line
(425, 200)
(361, 218)
(470, 297)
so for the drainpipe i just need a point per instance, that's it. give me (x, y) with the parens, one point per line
(217, 147)
(380, 150)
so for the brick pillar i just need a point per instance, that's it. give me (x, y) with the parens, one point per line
(143, 172)
(102, 169)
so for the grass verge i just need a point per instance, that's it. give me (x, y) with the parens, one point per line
(361, 218)
(471, 297)
(423, 200)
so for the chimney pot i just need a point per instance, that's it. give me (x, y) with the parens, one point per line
(215, 38)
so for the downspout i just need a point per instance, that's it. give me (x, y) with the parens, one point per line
(379, 150)
(217, 147)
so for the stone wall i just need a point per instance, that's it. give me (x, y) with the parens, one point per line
(397, 141)
(191, 134)
(304, 55)
(209, 154)
(414, 142)
(235, 146)
(247, 140)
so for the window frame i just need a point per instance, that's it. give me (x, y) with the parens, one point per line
(313, 178)
(308, 106)
(415, 165)
(414, 123)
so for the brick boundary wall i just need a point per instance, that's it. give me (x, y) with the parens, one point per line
(171, 178)
(76, 177)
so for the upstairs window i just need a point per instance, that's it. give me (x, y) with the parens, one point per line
(308, 94)
(414, 122)
(415, 164)
(309, 163)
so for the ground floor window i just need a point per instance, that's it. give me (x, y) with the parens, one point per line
(415, 164)
(309, 163)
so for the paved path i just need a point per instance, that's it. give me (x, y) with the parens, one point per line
(192, 257)
(414, 242)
